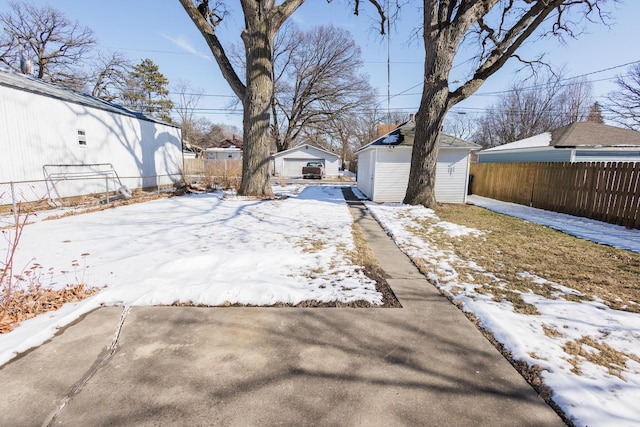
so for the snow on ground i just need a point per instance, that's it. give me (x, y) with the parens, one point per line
(596, 397)
(203, 249)
(585, 228)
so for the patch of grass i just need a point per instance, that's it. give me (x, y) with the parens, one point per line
(312, 245)
(519, 304)
(363, 255)
(551, 332)
(601, 354)
(510, 246)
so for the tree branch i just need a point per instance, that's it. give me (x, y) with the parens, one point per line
(208, 32)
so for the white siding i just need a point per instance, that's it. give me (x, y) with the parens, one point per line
(39, 130)
(391, 174)
(383, 174)
(290, 162)
(223, 154)
(452, 175)
(365, 172)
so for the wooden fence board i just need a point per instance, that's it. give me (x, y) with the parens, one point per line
(604, 191)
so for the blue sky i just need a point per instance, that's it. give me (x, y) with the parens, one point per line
(162, 31)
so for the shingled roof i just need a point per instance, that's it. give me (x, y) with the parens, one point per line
(233, 142)
(404, 134)
(591, 134)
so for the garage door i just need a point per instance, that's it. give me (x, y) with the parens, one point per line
(293, 167)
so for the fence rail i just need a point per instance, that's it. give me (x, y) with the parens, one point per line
(608, 192)
(74, 190)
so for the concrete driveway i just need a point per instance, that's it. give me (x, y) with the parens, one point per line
(423, 364)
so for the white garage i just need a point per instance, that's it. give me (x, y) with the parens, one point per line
(289, 163)
(383, 166)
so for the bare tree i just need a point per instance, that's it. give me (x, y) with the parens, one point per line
(57, 46)
(318, 81)
(529, 109)
(624, 103)
(460, 125)
(110, 76)
(188, 99)
(262, 21)
(499, 28)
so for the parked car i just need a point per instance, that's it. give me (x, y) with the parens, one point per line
(313, 170)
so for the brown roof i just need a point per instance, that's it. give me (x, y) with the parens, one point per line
(591, 134)
(234, 141)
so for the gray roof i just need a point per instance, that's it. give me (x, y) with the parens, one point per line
(590, 134)
(405, 133)
(30, 84)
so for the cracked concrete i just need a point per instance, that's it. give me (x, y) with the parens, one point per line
(423, 364)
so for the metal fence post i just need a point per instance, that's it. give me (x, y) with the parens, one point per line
(14, 203)
(106, 182)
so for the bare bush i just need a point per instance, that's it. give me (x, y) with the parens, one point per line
(23, 294)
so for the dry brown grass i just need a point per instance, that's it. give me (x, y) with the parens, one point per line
(22, 293)
(363, 255)
(510, 246)
(598, 353)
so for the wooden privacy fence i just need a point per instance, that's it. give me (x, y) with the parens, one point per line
(213, 173)
(607, 192)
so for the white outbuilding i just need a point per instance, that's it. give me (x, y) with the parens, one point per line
(289, 163)
(61, 143)
(383, 166)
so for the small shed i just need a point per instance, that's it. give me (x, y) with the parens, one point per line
(75, 144)
(383, 166)
(576, 142)
(289, 163)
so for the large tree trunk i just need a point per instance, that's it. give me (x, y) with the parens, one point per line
(422, 175)
(258, 39)
(434, 106)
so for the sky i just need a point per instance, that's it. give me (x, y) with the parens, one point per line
(205, 253)
(163, 32)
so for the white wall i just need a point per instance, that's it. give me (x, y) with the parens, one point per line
(391, 174)
(297, 157)
(366, 172)
(39, 130)
(452, 176)
(223, 154)
(390, 171)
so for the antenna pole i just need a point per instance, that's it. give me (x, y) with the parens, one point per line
(388, 63)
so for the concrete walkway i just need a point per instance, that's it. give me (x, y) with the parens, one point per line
(424, 364)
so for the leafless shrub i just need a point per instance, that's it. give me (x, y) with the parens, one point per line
(22, 293)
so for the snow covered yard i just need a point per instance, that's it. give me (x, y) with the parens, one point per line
(198, 249)
(587, 353)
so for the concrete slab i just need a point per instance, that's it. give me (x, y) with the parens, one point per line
(423, 364)
(247, 366)
(36, 383)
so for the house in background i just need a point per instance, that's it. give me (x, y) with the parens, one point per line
(383, 166)
(230, 148)
(76, 144)
(577, 142)
(289, 163)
